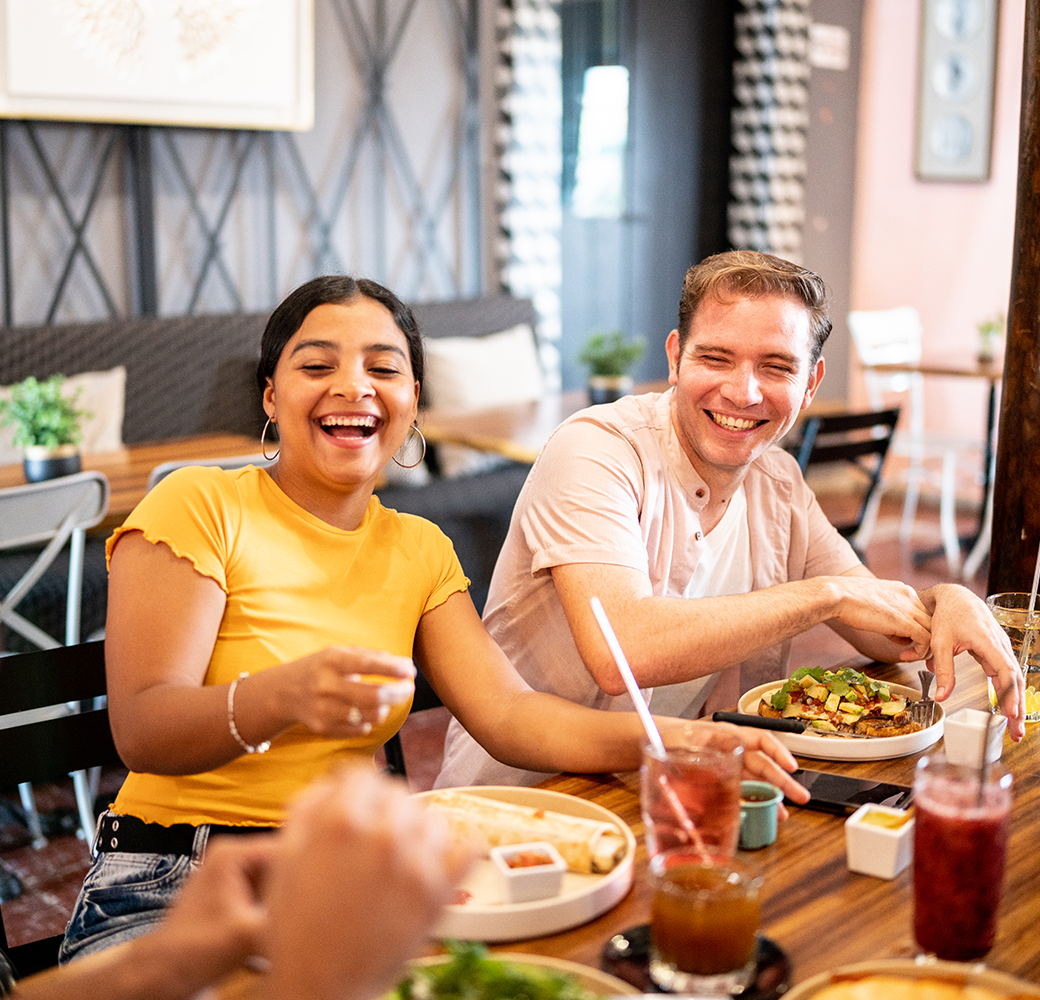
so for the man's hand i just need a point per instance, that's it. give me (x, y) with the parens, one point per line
(962, 623)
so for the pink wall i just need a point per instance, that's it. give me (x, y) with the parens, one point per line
(942, 247)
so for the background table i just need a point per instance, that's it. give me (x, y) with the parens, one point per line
(128, 469)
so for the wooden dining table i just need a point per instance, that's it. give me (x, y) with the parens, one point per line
(817, 911)
(819, 914)
(128, 468)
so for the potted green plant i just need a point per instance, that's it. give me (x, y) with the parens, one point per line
(991, 332)
(46, 426)
(608, 356)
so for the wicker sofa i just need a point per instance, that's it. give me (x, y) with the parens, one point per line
(196, 374)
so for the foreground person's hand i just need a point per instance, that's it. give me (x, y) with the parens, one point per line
(362, 872)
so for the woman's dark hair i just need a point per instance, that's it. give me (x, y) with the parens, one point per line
(333, 289)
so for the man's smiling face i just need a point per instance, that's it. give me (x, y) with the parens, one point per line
(742, 379)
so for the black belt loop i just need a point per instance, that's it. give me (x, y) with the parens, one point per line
(133, 835)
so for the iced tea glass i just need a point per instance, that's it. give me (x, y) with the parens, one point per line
(1011, 611)
(959, 849)
(692, 785)
(703, 919)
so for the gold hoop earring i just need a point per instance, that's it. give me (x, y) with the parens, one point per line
(263, 443)
(421, 456)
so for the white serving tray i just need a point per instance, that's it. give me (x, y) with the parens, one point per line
(581, 898)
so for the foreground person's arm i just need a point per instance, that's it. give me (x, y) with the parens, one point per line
(542, 732)
(215, 924)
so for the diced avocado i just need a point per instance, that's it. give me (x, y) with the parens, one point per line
(817, 691)
(832, 702)
(883, 693)
(852, 709)
(807, 681)
(824, 725)
(893, 706)
(849, 719)
(793, 711)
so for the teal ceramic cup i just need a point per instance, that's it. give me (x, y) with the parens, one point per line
(759, 802)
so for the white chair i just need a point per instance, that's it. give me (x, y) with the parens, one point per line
(160, 472)
(893, 337)
(54, 512)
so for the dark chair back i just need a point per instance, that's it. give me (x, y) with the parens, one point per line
(49, 750)
(859, 439)
(425, 697)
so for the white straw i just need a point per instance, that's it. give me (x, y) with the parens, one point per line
(649, 725)
(616, 651)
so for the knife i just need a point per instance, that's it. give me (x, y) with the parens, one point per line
(761, 722)
(784, 725)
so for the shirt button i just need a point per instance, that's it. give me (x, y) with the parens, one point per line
(699, 536)
(699, 493)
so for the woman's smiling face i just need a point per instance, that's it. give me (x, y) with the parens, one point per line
(343, 395)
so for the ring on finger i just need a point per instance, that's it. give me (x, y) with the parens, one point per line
(354, 716)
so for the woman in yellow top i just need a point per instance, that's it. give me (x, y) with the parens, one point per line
(261, 622)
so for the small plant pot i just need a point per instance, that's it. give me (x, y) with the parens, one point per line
(608, 388)
(49, 463)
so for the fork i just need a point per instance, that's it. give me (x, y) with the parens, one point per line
(923, 710)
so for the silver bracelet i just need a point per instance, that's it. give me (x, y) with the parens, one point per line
(260, 747)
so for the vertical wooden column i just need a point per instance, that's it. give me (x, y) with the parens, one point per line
(1016, 502)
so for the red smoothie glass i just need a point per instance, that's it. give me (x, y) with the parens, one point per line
(959, 848)
(690, 794)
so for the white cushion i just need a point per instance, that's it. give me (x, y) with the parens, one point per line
(476, 373)
(103, 396)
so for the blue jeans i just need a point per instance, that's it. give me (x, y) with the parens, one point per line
(125, 895)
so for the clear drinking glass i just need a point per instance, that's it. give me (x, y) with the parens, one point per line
(703, 919)
(1011, 611)
(960, 844)
(693, 782)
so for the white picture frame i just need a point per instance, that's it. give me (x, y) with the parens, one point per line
(956, 84)
(211, 63)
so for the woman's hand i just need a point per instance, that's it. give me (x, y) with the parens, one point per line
(343, 690)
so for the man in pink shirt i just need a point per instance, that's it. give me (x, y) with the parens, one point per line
(700, 537)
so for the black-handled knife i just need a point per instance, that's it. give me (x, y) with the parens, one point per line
(761, 722)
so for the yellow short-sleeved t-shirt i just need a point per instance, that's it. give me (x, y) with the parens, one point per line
(294, 585)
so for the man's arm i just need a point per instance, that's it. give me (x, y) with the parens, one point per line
(669, 640)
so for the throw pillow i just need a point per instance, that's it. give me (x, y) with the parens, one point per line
(476, 373)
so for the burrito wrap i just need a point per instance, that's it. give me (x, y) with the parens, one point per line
(588, 846)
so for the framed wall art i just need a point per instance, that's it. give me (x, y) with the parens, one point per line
(220, 63)
(955, 89)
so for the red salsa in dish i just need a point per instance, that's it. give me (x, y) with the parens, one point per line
(528, 859)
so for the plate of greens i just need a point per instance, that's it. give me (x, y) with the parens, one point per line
(469, 970)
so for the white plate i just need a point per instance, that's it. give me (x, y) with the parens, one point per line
(581, 898)
(850, 748)
(590, 979)
(972, 975)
